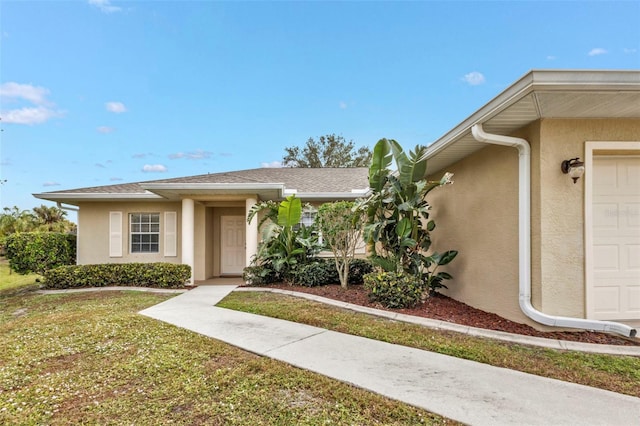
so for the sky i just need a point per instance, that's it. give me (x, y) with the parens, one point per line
(102, 92)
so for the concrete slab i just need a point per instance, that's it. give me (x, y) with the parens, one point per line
(463, 390)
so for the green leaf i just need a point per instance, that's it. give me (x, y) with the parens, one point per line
(446, 257)
(380, 163)
(403, 229)
(290, 211)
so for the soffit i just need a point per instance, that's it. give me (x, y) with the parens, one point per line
(526, 102)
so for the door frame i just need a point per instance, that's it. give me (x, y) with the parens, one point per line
(596, 148)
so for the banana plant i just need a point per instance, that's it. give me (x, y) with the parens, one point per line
(398, 229)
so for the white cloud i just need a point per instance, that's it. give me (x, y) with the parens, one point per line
(34, 94)
(29, 115)
(342, 105)
(115, 179)
(271, 165)
(39, 110)
(597, 51)
(154, 168)
(140, 155)
(474, 78)
(101, 166)
(198, 154)
(105, 6)
(628, 51)
(117, 107)
(105, 129)
(50, 183)
(551, 58)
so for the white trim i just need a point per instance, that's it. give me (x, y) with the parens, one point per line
(170, 234)
(188, 235)
(589, 148)
(115, 234)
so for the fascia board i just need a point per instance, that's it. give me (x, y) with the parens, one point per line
(213, 186)
(53, 196)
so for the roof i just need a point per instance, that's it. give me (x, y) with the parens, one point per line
(542, 94)
(267, 183)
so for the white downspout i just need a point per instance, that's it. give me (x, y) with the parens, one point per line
(524, 239)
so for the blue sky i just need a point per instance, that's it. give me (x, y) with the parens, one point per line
(103, 91)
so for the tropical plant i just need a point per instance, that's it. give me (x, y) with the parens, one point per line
(286, 242)
(398, 226)
(341, 227)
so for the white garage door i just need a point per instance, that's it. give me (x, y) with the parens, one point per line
(616, 238)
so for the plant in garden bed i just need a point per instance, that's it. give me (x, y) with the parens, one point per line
(341, 227)
(286, 243)
(398, 226)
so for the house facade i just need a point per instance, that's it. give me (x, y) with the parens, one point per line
(198, 220)
(536, 247)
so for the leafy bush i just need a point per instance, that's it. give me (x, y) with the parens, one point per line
(394, 290)
(39, 251)
(317, 273)
(259, 275)
(159, 275)
(358, 268)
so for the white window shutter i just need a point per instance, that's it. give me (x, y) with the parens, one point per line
(115, 234)
(170, 234)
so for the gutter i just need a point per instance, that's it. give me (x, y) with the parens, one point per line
(524, 242)
(61, 207)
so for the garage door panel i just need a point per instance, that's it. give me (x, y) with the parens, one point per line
(615, 212)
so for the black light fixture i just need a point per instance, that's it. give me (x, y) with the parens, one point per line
(574, 168)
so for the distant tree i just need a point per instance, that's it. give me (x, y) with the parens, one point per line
(327, 151)
(40, 219)
(12, 220)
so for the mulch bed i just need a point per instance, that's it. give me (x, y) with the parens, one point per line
(444, 308)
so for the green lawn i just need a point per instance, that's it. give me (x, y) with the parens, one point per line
(11, 281)
(616, 373)
(89, 358)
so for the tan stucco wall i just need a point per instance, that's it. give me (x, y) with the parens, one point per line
(478, 215)
(93, 235)
(562, 206)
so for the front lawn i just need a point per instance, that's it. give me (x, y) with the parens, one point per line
(12, 281)
(616, 373)
(89, 358)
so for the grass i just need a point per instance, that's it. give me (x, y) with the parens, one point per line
(89, 358)
(11, 282)
(615, 373)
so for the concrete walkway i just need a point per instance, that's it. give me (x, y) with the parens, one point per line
(462, 390)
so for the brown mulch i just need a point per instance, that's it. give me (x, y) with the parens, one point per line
(444, 308)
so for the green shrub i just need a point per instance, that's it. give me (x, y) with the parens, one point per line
(317, 273)
(358, 268)
(259, 275)
(159, 275)
(394, 290)
(39, 251)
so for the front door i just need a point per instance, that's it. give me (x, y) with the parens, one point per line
(616, 238)
(232, 244)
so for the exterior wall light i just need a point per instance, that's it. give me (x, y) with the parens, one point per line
(574, 168)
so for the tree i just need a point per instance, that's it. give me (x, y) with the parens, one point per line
(341, 228)
(398, 226)
(327, 151)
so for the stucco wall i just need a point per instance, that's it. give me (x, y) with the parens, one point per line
(478, 215)
(93, 236)
(562, 206)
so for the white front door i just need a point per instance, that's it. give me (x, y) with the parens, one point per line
(232, 244)
(616, 238)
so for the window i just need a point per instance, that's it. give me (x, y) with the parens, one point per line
(145, 232)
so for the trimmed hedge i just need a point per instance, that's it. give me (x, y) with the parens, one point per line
(39, 251)
(159, 275)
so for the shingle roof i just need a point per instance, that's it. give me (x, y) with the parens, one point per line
(304, 180)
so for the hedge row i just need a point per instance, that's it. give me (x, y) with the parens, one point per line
(159, 275)
(319, 272)
(39, 251)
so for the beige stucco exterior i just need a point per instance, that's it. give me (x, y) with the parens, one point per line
(478, 215)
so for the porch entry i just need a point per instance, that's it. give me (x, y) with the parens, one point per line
(232, 245)
(616, 238)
